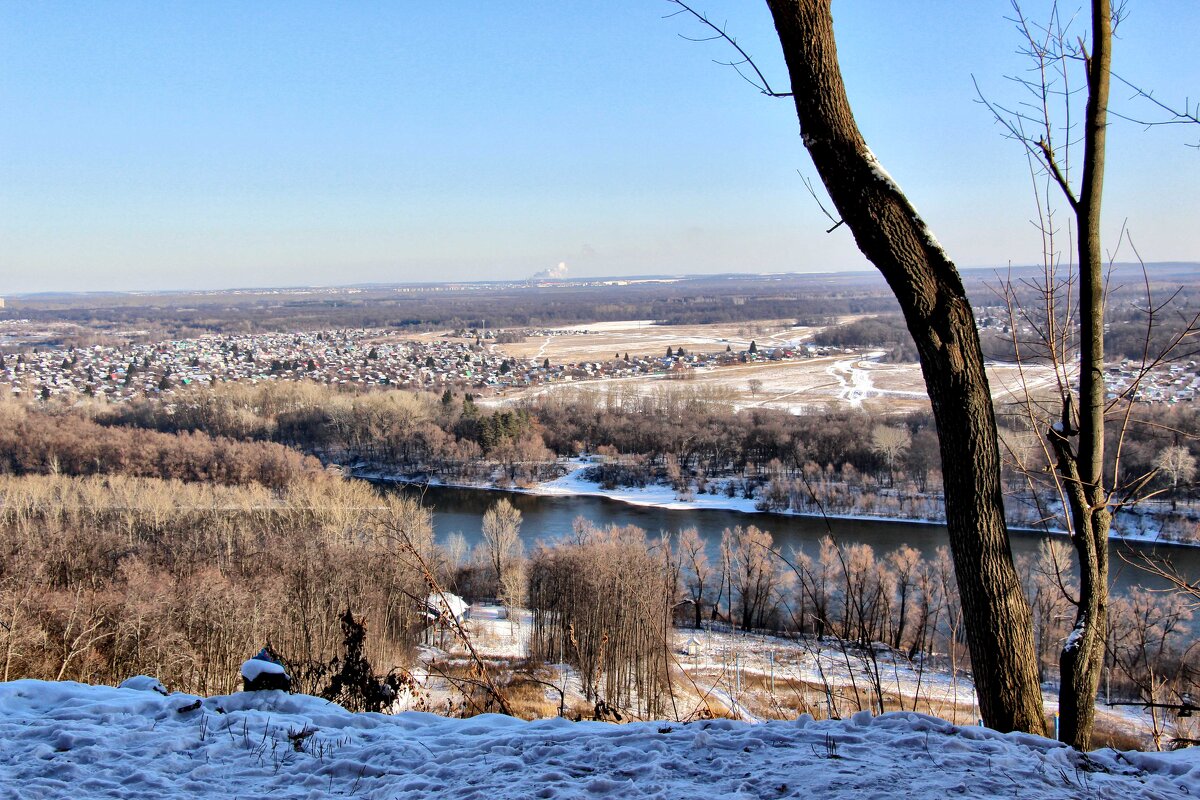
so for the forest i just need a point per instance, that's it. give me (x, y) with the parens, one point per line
(839, 461)
(175, 539)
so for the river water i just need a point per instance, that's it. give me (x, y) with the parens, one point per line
(550, 517)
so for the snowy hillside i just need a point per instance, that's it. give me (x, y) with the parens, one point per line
(68, 740)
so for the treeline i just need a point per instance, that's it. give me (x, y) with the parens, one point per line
(691, 300)
(911, 603)
(102, 578)
(407, 431)
(887, 332)
(840, 460)
(699, 433)
(1141, 434)
(34, 442)
(603, 601)
(105, 577)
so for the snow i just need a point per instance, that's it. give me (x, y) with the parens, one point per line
(255, 667)
(877, 169)
(1076, 635)
(446, 604)
(729, 672)
(657, 495)
(69, 740)
(144, 683)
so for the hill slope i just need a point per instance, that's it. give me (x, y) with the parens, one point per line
(78, 741)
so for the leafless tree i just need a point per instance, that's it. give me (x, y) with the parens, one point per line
(1150, 647)
(603, 603)
(502, 534)
(1179, 465)
(697, 572)
(1066, 145)
(757, 576)
(890, 232)
(890, 442)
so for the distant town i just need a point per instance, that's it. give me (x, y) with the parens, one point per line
(361, 358)
(465, 359)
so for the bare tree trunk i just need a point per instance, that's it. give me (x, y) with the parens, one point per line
(1082, 656)
(893, 236)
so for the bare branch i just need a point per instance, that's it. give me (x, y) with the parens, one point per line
(1189, 115)
(719, 32)
(808, 185)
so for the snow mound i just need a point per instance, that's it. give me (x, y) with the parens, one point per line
(254, 668)
(144, 683)
(69, 740)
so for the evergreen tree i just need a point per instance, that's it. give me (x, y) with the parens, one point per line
(753, 347)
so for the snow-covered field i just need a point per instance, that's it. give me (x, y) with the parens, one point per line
(859, 379)
(68, 740)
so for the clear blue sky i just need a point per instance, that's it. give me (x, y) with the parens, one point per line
(222, 144)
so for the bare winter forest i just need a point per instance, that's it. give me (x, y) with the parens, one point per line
(174, 543)
(175, 529)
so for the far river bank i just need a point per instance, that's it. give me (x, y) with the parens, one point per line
(550, 515)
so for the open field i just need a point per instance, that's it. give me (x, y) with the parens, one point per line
(602, 340)
(858, 379)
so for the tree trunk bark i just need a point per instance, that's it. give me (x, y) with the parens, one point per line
(926, 283)
(1082, 658)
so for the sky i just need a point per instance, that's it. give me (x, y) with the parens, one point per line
(150, 146)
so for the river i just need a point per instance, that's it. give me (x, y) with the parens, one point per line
(550, 517)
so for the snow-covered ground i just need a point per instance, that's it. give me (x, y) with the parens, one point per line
(68, 740)
(655, 494)
(748, 676)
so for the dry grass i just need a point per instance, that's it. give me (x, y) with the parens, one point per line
(793, 697)
(530, 699)
(1109, 733)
